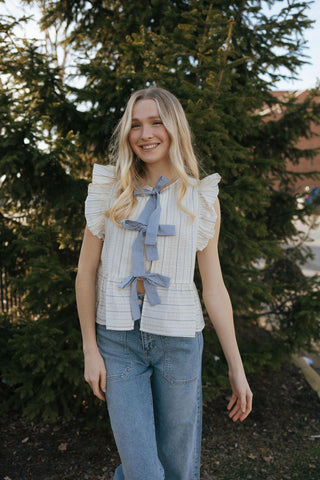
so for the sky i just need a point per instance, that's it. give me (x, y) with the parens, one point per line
(308, 75)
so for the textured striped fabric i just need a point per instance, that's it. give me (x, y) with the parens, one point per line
(179, 313)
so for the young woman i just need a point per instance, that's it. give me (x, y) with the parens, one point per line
(148, 218)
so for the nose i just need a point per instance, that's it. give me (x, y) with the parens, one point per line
(146, 132)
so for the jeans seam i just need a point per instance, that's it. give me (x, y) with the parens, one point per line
(197, 449)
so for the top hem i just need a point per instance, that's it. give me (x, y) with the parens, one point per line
(145, 330)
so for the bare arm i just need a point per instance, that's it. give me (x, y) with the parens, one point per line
(218, 305)
(94, 371)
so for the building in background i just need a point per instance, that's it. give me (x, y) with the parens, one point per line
(303, 185)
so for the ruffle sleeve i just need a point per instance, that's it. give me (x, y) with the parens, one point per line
(100, 192)
(208, 191)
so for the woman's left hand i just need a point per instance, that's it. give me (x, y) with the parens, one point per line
(240, 404)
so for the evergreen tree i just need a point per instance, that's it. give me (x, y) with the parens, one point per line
(42, 195)
(220, 59)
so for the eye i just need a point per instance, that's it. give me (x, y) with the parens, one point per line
(157, 122)
(135, 125)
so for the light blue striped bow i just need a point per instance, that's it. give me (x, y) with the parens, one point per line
(150, 215)
(150, 281)
(137, 247)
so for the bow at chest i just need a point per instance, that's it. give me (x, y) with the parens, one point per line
(150, 216)
(151, 248)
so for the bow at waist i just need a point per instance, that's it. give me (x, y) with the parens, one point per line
(150, 281)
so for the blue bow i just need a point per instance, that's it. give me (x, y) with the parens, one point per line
(150, 280)
(151, 250)
(151, 213)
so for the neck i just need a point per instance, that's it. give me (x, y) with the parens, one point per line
(154, 172)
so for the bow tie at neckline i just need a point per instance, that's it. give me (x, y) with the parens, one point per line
(148, 190)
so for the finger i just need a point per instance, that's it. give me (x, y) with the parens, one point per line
(239, 415)
(235, 413)
(234, 408)
(94, 384)
(243, 403)
(98, 393)
(103, 386)
(240, 405)
(242, 415)
(232, 401)
(249, 407)
(103, 382)
(239, 409)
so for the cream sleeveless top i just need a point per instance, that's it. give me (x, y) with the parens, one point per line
(158, 244)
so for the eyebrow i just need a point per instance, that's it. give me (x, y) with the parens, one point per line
(149, 118)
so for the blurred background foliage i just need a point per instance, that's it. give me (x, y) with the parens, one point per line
(61, 99)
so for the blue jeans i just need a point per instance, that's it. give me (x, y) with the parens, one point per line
(154, 400)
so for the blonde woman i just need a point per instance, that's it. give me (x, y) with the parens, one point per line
(148, 219)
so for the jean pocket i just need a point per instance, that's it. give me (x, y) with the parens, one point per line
(112, 346)
(182, 358)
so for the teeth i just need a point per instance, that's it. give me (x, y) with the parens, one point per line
(148, 147)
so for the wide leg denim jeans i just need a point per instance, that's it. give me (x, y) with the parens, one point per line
(154, 400)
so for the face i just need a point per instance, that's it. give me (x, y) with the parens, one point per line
(148, 136)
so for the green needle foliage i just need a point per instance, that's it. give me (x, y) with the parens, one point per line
(221, 59)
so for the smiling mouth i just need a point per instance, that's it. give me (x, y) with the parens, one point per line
(149, 147)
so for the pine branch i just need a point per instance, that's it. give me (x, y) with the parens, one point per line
(223, 55)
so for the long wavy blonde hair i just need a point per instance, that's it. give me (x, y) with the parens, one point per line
(130, 169)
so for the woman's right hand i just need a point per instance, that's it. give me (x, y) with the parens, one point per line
(95, 374)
